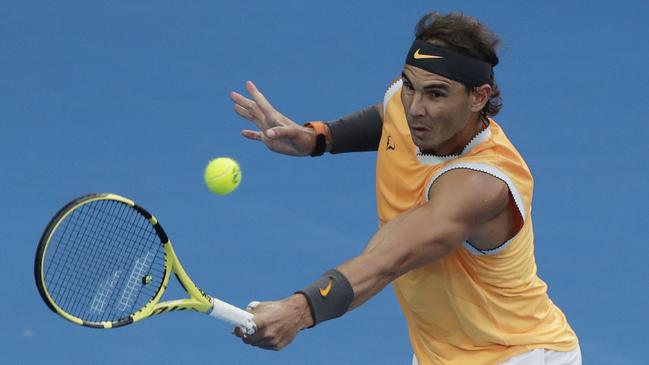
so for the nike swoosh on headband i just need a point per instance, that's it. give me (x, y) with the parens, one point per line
(419, 56)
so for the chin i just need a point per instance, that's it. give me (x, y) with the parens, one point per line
(421, 146)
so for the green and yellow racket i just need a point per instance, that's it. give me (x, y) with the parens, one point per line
(104, 262)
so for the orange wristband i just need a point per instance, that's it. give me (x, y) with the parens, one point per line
(322, 137)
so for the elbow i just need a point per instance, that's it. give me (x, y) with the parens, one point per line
(419, 257)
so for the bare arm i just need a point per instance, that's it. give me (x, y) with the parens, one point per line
(459, 203)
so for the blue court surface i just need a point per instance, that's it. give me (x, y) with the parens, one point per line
(132, 98)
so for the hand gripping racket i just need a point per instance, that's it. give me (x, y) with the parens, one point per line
(104, 262)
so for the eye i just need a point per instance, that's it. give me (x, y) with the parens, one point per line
(435, 94)
(409, 89)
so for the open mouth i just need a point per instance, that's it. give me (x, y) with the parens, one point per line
(418, 130)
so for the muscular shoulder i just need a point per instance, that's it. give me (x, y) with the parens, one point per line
(470, 194)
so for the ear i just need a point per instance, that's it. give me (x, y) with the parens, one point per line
(480, 97)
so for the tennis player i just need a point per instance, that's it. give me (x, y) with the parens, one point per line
(454, 203)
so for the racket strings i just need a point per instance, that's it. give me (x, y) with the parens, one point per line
(78, 255)
(62, 278)
(104, 262)
(111, 256)
(109, 284)
(75, 241)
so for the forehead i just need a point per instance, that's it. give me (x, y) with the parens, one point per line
(420, 76)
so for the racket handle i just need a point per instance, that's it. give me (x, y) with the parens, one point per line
(233, 315)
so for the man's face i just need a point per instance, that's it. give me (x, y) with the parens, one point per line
(438, 110)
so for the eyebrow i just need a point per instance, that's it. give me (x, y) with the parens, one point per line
(432, 86)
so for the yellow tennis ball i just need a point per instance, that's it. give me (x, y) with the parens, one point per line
(222, 175)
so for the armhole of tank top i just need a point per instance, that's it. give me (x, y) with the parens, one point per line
(389, 93)
(497, 173)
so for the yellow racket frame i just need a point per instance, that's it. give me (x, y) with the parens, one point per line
(198, 300)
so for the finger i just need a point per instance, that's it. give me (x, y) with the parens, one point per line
(244, 103)
(241, 103)
(249, 109)
(241, 100)
(244, 112)
(267, 346)
(252, 305)
(253, 339)
(282, 132)
(254, 135)
(260, 99)
(264, 343)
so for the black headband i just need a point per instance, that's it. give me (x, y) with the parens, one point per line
(456, 66)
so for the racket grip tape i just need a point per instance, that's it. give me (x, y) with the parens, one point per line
(233, 315)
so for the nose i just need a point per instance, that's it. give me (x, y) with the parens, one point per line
(416, 108)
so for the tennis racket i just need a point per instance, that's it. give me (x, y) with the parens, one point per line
(104, 262)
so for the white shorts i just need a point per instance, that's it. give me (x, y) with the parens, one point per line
(540, 357)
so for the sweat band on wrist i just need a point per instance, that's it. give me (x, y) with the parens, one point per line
(329, 297)
(454, 65)
(320, 138)
(357, 132)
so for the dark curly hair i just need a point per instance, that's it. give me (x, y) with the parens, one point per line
(464, 34)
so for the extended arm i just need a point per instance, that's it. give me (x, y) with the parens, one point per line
(459, 202)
